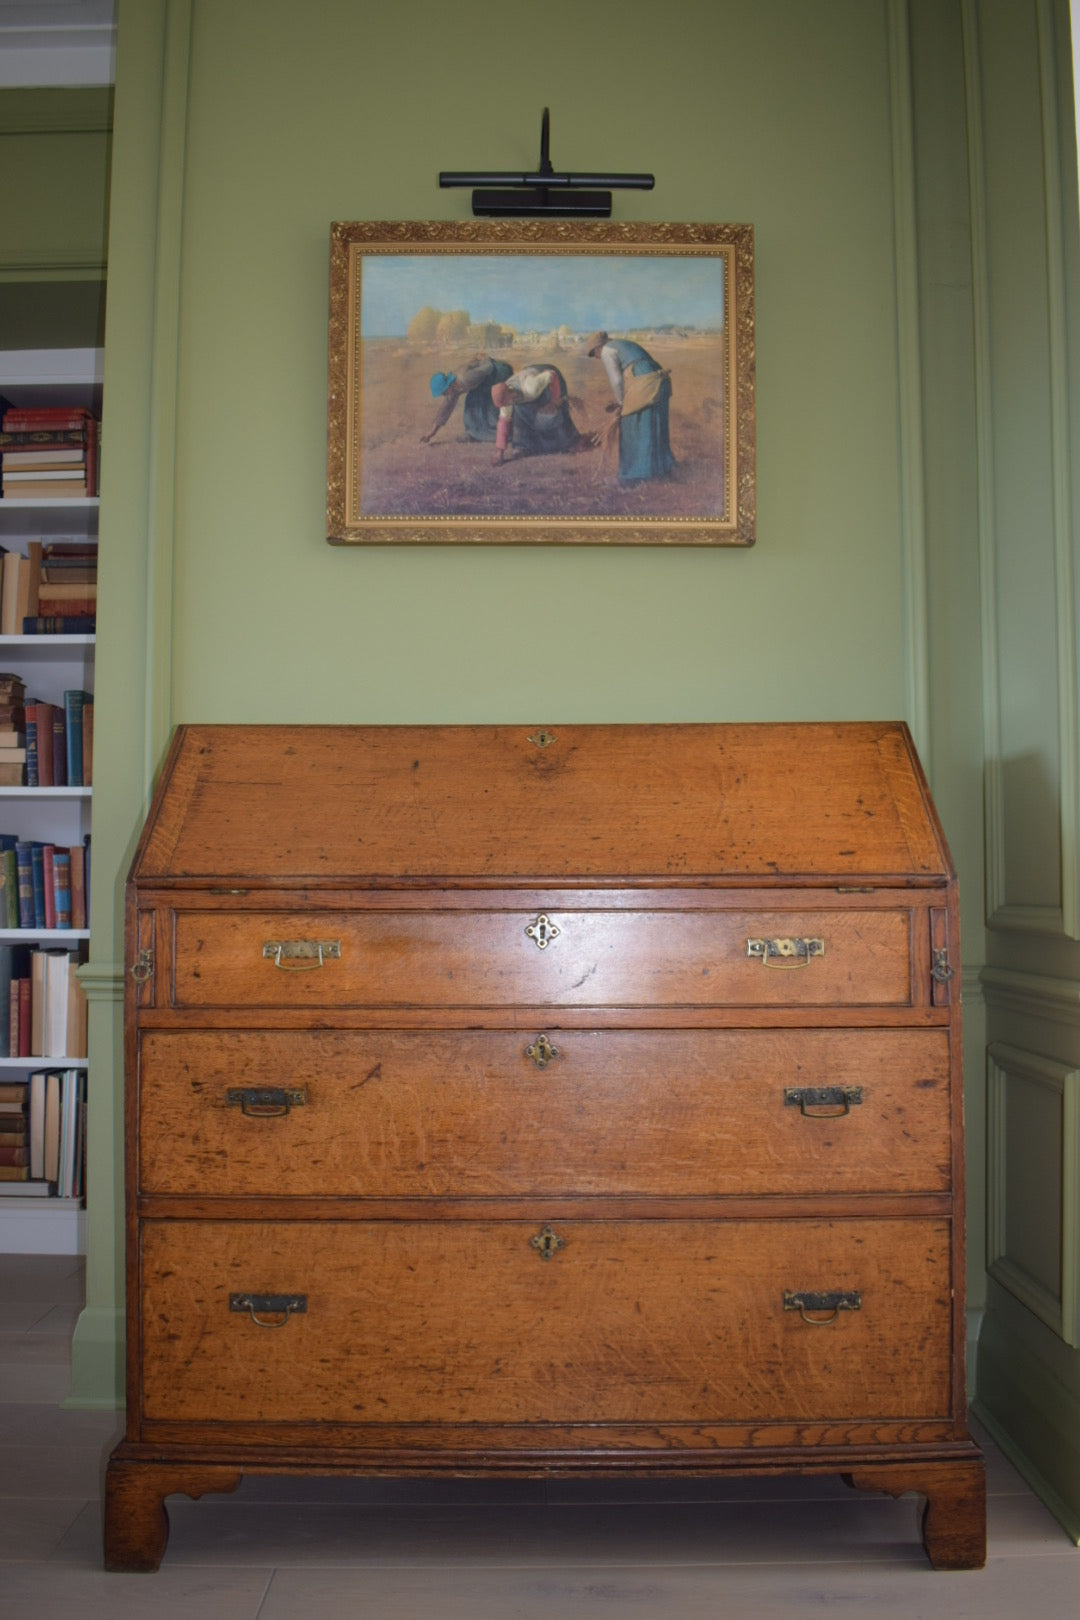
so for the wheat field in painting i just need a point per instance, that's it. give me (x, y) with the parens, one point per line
(454, 476)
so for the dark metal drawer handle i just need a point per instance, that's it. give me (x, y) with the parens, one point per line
(264, 1102)
(301, 955)
(259, 1306)
(821, 1309)
(823, 1102)
(785, 953)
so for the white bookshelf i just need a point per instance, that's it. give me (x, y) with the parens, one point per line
(50, 665)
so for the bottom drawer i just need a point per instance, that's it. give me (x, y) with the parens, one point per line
(467, 1322)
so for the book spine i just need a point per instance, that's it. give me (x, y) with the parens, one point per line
(88, 744)
(74, 702)
(37, 871)
(13, 1019)
(59, 748)
(77, 865)
(60, 625)
(49, 418)
(61, 866)
(92, 456)
(68, 607)
(49, 876)
(26, 1015)
(42, 438)
(32, 778)
(44, 744)
(25, 872)
(9, 899)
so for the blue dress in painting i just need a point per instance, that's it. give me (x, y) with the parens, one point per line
(644, 440)
(481, 415)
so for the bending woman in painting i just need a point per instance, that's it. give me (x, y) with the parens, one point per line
(473, 383)
(534, 414)
(642, 390)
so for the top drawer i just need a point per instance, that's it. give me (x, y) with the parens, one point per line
(504, 957)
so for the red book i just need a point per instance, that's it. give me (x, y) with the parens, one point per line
(59, 746)
(91, 457)
(10, 1154)
(57, 417)
(49, 885)
(25, 1016)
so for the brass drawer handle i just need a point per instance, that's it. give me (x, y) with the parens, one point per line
(785, 953)
(547, 1243)
(823, 1102)
(301, 955)
(264, 1102)
(822, 1309)
(142, 969)
(259, 1306)
(541, 1051)
(543, 931)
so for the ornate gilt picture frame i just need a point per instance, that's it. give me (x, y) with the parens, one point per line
(523, 381)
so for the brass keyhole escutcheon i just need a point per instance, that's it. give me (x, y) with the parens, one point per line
(541, 1051)
(543, 931)
(547, 1243)
(542, 739)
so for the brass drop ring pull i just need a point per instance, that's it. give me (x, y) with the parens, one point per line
(823, 1102)
(259, 1306)
(264, 1102)
(301, 955)
(785, 953)
(821, 1310)
(142, 970)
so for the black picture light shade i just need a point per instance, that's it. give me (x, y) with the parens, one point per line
(544, 192)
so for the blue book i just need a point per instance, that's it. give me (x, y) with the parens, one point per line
(24, 866)
(32, 779)
(37, 868)
(74, 702)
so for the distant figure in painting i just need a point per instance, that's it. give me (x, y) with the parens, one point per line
(642, 390)
(474, 384)
(534, 414)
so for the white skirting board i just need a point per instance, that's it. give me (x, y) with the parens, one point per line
(42, 1225)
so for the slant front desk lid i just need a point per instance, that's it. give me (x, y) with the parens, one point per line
(374, 806)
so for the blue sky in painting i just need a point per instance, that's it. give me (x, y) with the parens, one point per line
(530, 291)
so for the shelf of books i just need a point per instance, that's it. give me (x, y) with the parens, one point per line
(50, 410)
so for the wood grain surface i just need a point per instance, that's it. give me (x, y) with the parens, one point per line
(402, 1113)
(636, 1321)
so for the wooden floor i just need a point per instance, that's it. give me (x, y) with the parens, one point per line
(472, 1550)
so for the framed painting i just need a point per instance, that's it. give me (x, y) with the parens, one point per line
(521, 381)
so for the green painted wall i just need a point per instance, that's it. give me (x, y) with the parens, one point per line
(241, 131)
(776, 113)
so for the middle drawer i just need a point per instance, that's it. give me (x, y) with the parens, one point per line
(396, 1113)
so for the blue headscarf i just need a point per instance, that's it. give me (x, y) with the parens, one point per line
(441, 381)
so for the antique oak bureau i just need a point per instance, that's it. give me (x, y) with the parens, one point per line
(581, 1100)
